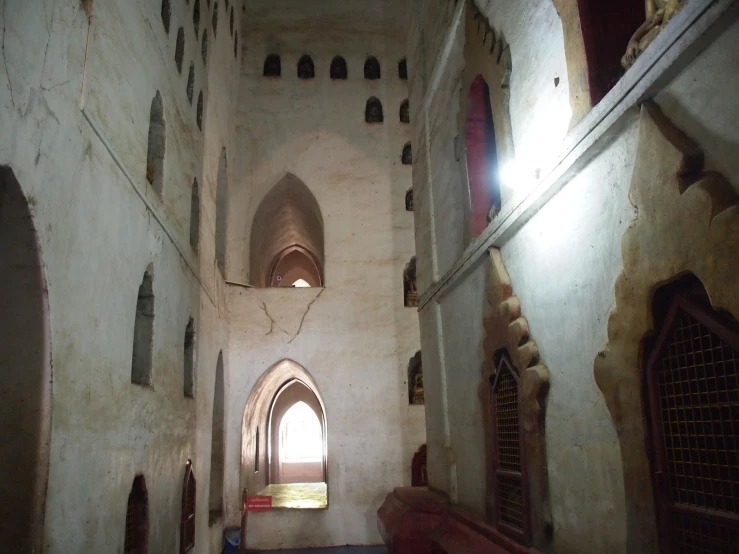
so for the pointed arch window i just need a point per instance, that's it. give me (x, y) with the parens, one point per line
(407, 157)
(179, 52)
(187, 523)
(510, 494)
(692, 377)
(166, 14)
(137, 518)
(195, 216)
(189, 363)
(306, 69)
(217, 445)
(338, 68)
(143, 332)
(372, 69)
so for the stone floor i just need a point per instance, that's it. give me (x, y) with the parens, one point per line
(298, 496)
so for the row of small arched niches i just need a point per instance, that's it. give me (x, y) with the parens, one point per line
(338, 70)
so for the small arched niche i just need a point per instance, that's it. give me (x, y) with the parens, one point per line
(405, 112)
(373, 111)
(289, 461)
(287, 242)
(372, 69)
(272, 66)
(338, 68)
(306, 69)
(25, 374)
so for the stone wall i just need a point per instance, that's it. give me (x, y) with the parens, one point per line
(74, 123)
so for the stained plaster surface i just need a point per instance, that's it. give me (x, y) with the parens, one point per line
(97, 239)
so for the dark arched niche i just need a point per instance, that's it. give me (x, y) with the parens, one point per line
(284, 374)
(287, 237)
(25, 374)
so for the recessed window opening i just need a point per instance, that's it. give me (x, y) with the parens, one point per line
(301, 439)
(215, 20)
(191, 83)
(179, 52)
(196, 17)
(156, 145)
(166, 14)
(410, 288)
(306, 69)
(373, 111)
(607, 26)
(511, 514)
(143, 332)
(405, 112)
(371, 68)
(482, 158)
(272, 66)
(137, 518)
(221, 212)
(409, 200)
(199, 112)
(692, 398)
(406, 158)
(403, 69)
(195, 216)
(187, 520)
(217, 446)
(189, 365)
(338, 68)
(204, 47)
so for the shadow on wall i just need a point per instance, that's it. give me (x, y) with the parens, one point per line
(25, 367)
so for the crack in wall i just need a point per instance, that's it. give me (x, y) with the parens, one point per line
(307, 309)
(272, 322)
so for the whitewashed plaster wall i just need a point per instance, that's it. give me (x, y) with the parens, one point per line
(356, 337)
(563, 264)
(80, 171)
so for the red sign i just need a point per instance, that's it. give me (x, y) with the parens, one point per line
(259, 503)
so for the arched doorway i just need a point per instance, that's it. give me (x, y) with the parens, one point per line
(25, 374)
(285, 439)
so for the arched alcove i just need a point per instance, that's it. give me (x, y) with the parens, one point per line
(25, 374)
(272, 66)
(191, 83)
(405, 112)
(287, 237)
(482, 157)
(306, 69)
(372, 68)
(403, 69)
(278, 390)
(338, 68)
(137, 518)
(156, 145)
(373, 111)
(217, 445)
(195, 216)
(179, 52)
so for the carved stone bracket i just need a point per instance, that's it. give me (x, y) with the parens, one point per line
(506, 328)
(688, 221)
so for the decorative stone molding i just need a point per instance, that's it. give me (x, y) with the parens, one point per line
(505, 328)
(688, 221)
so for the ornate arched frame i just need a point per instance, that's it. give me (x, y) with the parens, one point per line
(688, 222)
(486, 54)
(506, 329)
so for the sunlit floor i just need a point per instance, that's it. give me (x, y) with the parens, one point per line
(298, 496)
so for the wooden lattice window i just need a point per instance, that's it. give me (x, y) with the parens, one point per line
(692, 379)
(187, 526)
(511, 512)
(137, 518)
